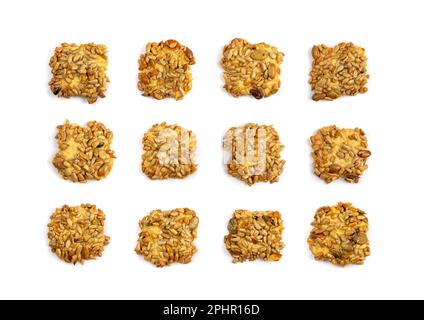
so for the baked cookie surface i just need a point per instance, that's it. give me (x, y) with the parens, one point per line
(167, 237)
(84, 152)
(254, 153)
(340, 153)
(76, 234)
(338, 71)
(164, 70)
(169, 152)
(339, 235)
(79, 70)
(251, 69)
(255, 235)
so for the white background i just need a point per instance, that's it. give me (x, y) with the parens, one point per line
(390, 113)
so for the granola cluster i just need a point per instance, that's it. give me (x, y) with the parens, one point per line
(168, 236)
(255, 235)
(77, 234)
(339, 235)
(79, 70)
(338, 71)
(84, 152)
(165, 70)
(254, 153)
(168, 152)
(340, 153)
(251, 69)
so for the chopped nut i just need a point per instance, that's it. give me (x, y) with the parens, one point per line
(338, 71)
(339, 153)
(165, 70)
(255, 235)
(339, 235)
(79, 70)
(251, 69)
(168, 236)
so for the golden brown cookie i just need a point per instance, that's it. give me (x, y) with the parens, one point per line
(77, 234)
(84, 152)
(165, 70)
(79, 70)
(339, 235)
(251, 69)
(254, 153)
(168, 152)
(340, 153)
(255, 235)
(168, 236)
(338, 71)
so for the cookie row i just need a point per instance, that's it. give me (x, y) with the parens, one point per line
(339, 235)
(253, 152)
(248, 69)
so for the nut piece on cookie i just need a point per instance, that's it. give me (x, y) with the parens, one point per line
(168, 236)
(164, 70)
(255, 235)
(84, 152)
(169, 152)
(253, 153)
(251, 69)
(338, 71)
(77, 234)
(79, 70)
(340, 153)
(339, 235)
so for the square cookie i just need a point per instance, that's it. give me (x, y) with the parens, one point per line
(253, 153)
(168, 236)
(251, 69)
(339, 235)
(76, 234)
(255, 235)
(84, 153)
(338, 71)
(164, 70)
(169, 152)
(79, 70)
(340, 153)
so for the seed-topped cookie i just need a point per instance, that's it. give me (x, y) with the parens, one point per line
(169, 152)
(77, 234)
(84, 152)
(251, 69)
(254, 153)
(79, 70)
(339, 235)
(340, 153)
(255, 235)
(338, 71)
(165, 70)
(168, 236)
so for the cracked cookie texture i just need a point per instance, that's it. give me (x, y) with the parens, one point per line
(164, 70)
(339, 235)
(79, 70)
(255, 235)
(251, 69)
(169, 152)
(168, 236)
(340, 153)
(84, 152)
(254, 153)
(76, 234)
(338, 71)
